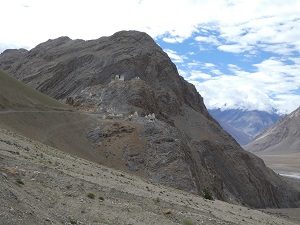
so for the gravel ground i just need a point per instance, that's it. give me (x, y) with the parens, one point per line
(42, 185)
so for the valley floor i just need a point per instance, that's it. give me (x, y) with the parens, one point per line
(42, 185)
(286, 165)
(291, 214)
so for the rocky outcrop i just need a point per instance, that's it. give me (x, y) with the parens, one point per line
(282, 138)
(63, 68)
(183, 146)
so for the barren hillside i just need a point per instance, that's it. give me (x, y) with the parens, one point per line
(42, 185)
(138, 115)
(282, 138)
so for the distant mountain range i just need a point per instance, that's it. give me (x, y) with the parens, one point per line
(243, 125)
(282, 138)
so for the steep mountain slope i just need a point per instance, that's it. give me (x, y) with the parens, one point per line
(29, 112)
(42, 185)
(14, 95)
(180, 146)
(243, 125)
(71, 69)
(282, 138)
(279, 146)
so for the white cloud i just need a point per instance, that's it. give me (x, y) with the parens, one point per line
(44, 19)
(182, 73)
(175, 57)
(233, 68)
(208, 39)
(269, 25)
(287, 102)
(196, 75)
(216, 72)
(191, 53)
(242, 24)
(173, 40)
(271, 86)
(209, 65)
(236, 26)
(4, 46)
(235, 48)
(193, 65)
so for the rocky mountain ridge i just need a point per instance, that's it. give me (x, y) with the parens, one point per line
(63, 68)
(244, 125)
(183, 146)
(282, 138)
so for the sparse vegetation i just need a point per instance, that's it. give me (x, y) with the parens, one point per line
(20, 182)
(22, 95)
(187, 222)
(207, 194)
(157, 200)
(91, 195)
(84, 210)
(72, 221)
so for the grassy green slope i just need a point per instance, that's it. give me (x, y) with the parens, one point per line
(15, 95)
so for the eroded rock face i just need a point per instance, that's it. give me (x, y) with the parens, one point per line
(183, 147)
(64, 68)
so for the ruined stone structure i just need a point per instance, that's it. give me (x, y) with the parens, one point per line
(120, 77)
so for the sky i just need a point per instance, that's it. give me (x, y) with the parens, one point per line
(240, 54)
